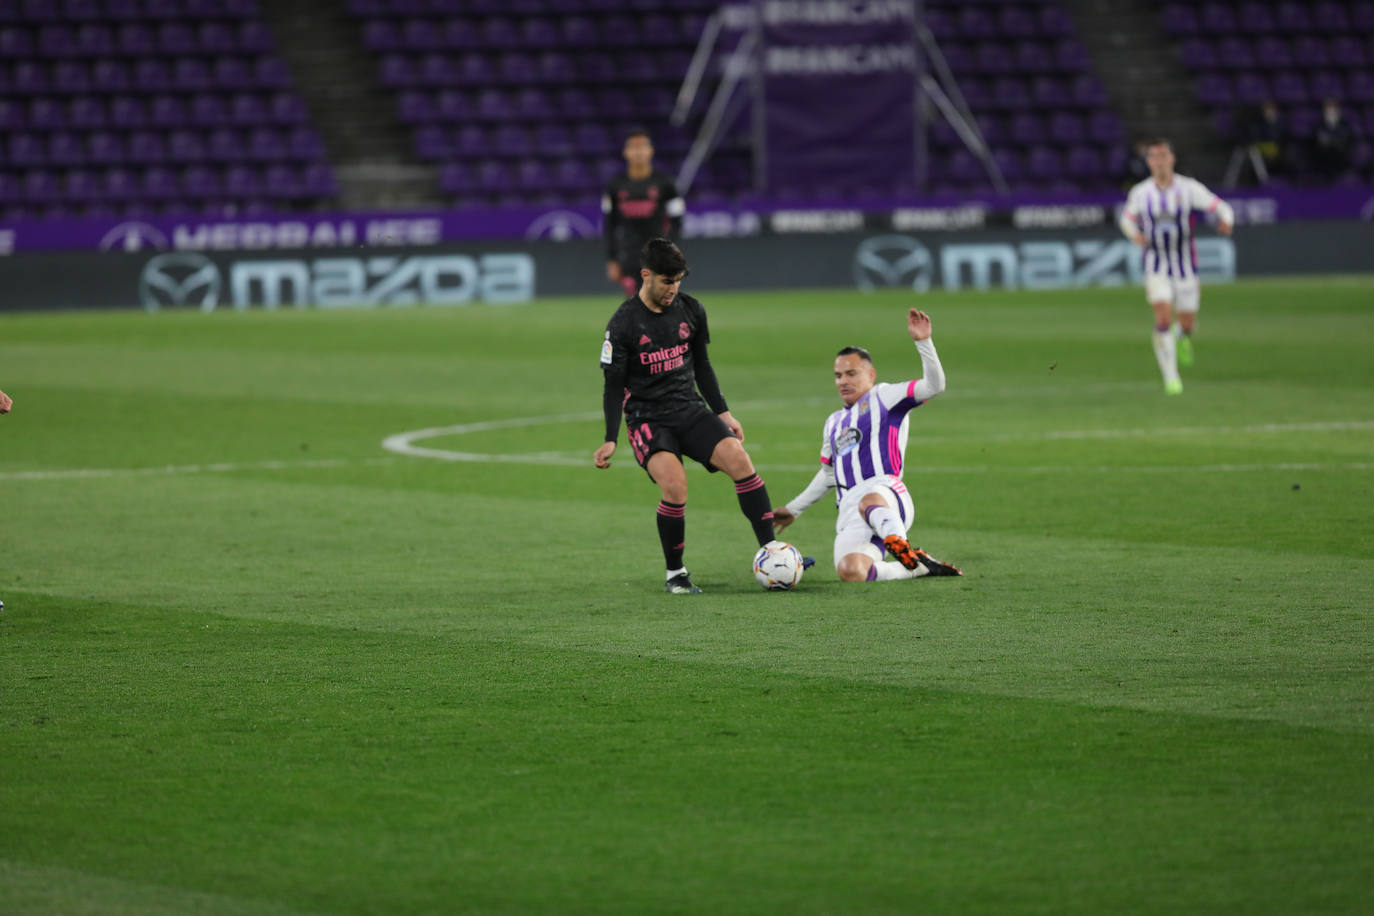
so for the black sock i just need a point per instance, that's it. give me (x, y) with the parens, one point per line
(672, 532)
(754, 503)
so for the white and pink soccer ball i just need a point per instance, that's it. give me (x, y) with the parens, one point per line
(778, 566)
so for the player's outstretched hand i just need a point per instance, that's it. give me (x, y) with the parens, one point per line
(5, 402)
(918, 323)
(782, 518)
(602, 457)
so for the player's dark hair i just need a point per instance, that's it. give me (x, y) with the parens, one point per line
(662, 257)
(860, 352)
(1158, 141)
(637, 132)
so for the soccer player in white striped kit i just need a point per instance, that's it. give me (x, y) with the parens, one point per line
(1158, 216)
(863, 450)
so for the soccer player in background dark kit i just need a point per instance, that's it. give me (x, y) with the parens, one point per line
(638, 205)
(657, 371)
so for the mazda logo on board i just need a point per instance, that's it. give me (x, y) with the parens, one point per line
(892, 261)
(180, 278)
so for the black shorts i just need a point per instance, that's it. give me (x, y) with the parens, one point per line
(694, 432)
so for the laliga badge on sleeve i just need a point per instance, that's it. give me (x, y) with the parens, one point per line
(606, 350)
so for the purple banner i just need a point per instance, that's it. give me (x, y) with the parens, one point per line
(839, 93)
(758, 216)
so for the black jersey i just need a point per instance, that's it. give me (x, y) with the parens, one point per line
(636, 210)
(656, 362)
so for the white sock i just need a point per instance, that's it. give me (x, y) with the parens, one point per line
(884, 521)
(676, 572)
(894, 570)
(1166, 355)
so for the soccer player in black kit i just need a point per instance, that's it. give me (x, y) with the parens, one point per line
(655, 363)
(639, 204)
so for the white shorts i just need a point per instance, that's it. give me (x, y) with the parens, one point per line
(852, 534)
(1183, 294)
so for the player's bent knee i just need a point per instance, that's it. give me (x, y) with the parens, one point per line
(853, 568)
(731, 458)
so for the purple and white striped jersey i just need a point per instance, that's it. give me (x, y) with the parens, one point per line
(1165, 217)
(868, 438)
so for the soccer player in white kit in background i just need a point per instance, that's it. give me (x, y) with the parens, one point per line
(863, 450)
(1158, 217)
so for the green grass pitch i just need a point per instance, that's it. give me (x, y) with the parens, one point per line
(253, 663)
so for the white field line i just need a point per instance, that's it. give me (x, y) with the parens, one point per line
(404, 444)
(220, 467)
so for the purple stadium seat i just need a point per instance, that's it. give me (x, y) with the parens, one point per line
(1274, 51)
(1215, 89)
(539, 32)
(254, 37)
(432, 143)
(1234, 53)
(1067, 128)
(512, 140)
(243, 181)
(1055, 21)
(151, 74)
(1105, 127)
(135, 38)
(500, 32)
(65, 148)
(975, 22)
(104, 148)
(111, 75)
(416, 107)
(996, 57)
(533, 175)
(472, 140)
(1087, 92)
(186, 146)
(1217, 19)
(1256, 18)
(56, 40)
(1362, 16)
(1031, 57)
(1326, 84)
(573, 175)
(47, 113)
(128, 111)
(576, 102)
(284, 182)
(456, 178)
(1348, 51)
(1044, 162)
(121, 184)
(1294, 17)
(167, 111)
(15, 42)
(41, 186)
(216, 38)
(1330, 17)
(225, 144)
(1049, 91)
(1010, 162)
(71, 76)
(1070, 55)
(208, 109)
(1310, 51)
(397, 71)
(285, 108)
(421, 35)
(191, 73)
(26, 149)
(176, 38)
(267, 144)
(147, 147)
(1359, 88)
(594, 139)
(461, 34)
(494, 104)
(12, 114)
(1086, 162)
(553, 140)
(454, 105)
(534, 104)
(517, 67)
(87, 111)
(1027, 128)
(248, 108)
(1199, 54)
(201, 181)
(441, 69)
(271, 73)
(1010, 93)
(1252, 88)
(30, 77)
(381, 35)
(495, 176)
(1180, 19)
(1289, 87)
(556, 67)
